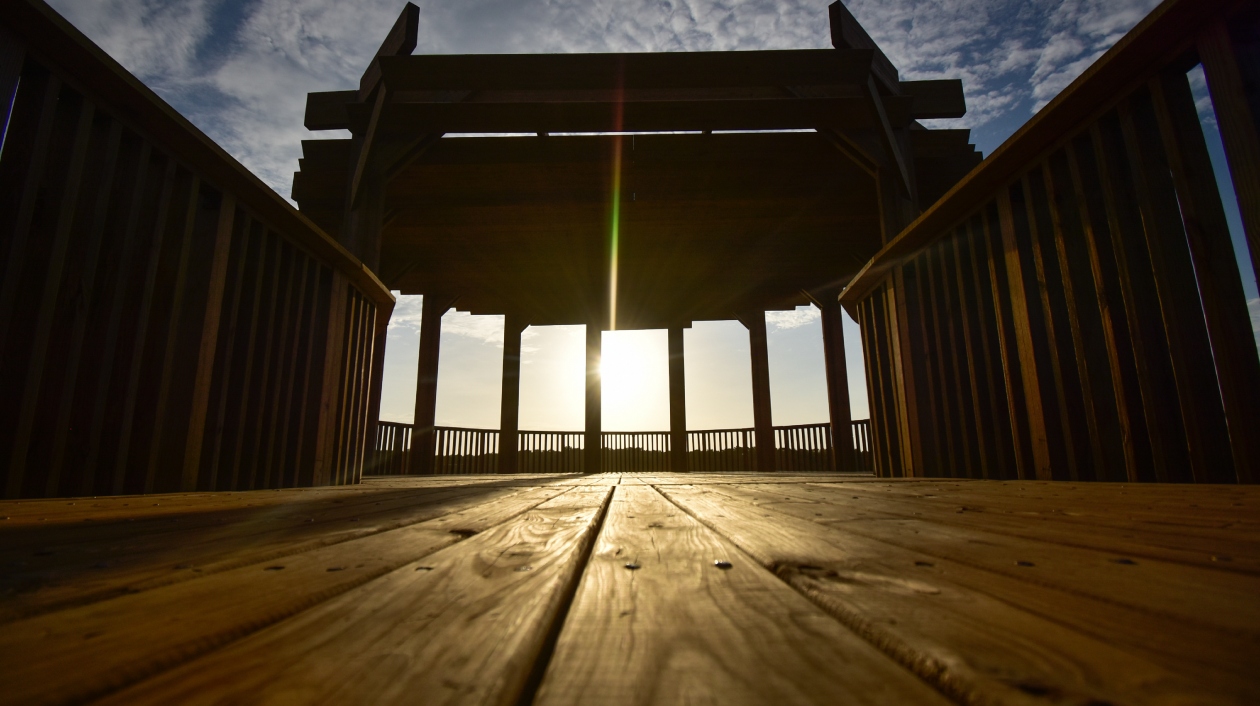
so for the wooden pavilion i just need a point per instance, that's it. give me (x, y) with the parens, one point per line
(647, 191)
(1064, 385)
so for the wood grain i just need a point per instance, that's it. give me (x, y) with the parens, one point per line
(83, 652)
(655, 621)
(465, 626)
(978, 636)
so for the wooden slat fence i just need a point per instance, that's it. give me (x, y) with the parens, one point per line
(550, 451)
(167, 321)
(1072, 309)
(721, 450)
(392, 450)
(626, 451)
(805, 447)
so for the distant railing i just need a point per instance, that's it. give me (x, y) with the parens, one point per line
(636, 451)
(458, 450)
(549, 451)
(720, 450)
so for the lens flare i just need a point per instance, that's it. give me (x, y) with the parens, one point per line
(615, 229)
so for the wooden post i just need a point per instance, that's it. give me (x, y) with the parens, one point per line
(837, 367)
(509, 413)
(594, 400)
(677, 403)
(1230, 67)
(432, 309)
(1219, 283)
(381, 333)
(763, 426)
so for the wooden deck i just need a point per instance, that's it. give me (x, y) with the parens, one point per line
(637, 589)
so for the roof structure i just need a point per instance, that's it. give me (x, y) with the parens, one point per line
(628, 190)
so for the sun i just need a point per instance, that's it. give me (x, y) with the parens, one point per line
(635, 375)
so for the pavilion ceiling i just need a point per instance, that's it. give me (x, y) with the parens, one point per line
(708, 225)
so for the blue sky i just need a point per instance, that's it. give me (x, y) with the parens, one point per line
(240, 70)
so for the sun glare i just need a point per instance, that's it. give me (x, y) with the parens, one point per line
(635, 371)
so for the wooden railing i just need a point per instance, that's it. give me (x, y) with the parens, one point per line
(392, 450)
(804, 447)
(550, 451)
(1072, 309)
(167, 321)
(721, 451)
(636, 451)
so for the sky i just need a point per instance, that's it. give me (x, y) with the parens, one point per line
(240, 71)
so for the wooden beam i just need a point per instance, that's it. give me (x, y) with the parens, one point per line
(837, 372)
(510, 397)
(400, 41)
(598, 116)
(433, 307)
(763, 424)
(677, 402)
(848, 33)
(940, 98)
(593, 439)
(1229, 63)
(523, 72)
(1219, 282)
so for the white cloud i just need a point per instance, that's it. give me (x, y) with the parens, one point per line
(240, 70)
(800, 316)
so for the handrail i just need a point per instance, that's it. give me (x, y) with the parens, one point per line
(57, 41)
(800, 447)
(1073, 308)
(1168, 29)
(167, 321)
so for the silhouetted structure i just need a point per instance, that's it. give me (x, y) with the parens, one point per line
(629, 231)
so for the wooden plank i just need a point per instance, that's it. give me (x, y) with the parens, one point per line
(655, 621)
(1220, 283)
(209, 344)
(226, 359)
(74, 201)
(849, 113)
(1228, 65)
(273, 400)
(96, 476)
(797, 67)
(1105, 425)
(1002, 330)
(66, 475)
(121, 549)
(143, 634)
(1068, 519)
(1177, 593)
(1074, 460)
(471, 621)
(991, 349)
(1170, 458)
(1021, 334)
(908, 381)
(950, 402)
(966, 630)
(135, 369)
(1190, 351)
(973, 356)
(1206, 528)
(259, 269)
(1105, 271)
